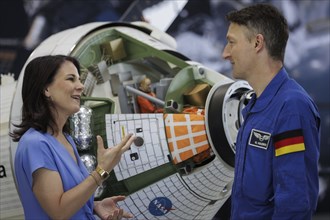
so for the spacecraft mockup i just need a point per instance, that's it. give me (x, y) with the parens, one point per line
(181, 165)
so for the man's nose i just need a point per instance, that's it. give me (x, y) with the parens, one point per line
(225, 53)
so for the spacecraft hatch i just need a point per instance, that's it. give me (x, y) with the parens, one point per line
(181, 165)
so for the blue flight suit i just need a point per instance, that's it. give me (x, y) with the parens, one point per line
(277, 152)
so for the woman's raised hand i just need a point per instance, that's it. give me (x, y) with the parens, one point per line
(110, 157)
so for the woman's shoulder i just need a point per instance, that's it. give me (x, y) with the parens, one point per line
(35, 144)
(35, 138)
(34, 135)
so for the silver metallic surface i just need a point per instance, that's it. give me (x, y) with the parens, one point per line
(89, 161)
(82, 131)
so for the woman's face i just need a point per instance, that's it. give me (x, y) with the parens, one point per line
(65, 91)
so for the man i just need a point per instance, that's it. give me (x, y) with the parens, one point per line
(277, 148)
(146, 106)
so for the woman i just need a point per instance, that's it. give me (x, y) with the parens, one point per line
(53, 182)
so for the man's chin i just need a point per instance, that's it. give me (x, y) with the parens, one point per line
(237, 76)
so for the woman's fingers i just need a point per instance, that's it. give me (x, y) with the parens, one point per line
(126, 143)
(117, 199)
(120, 214)
(108, 158)
(100, 145)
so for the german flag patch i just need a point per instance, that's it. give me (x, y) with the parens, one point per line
(289, 142)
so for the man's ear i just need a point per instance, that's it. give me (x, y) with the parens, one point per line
(259, 41)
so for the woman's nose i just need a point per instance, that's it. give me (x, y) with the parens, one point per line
(80, 85)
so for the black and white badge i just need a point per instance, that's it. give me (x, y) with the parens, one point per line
(259, 139)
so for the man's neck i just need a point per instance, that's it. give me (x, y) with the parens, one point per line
(263, 75)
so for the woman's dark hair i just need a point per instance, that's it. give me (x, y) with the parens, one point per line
(37, 108)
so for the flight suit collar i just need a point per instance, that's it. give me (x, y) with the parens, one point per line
(258, 104)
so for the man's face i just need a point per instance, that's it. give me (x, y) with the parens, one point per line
(239, 51)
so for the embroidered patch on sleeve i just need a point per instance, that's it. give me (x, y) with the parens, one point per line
(259, 139)
(289, 142)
